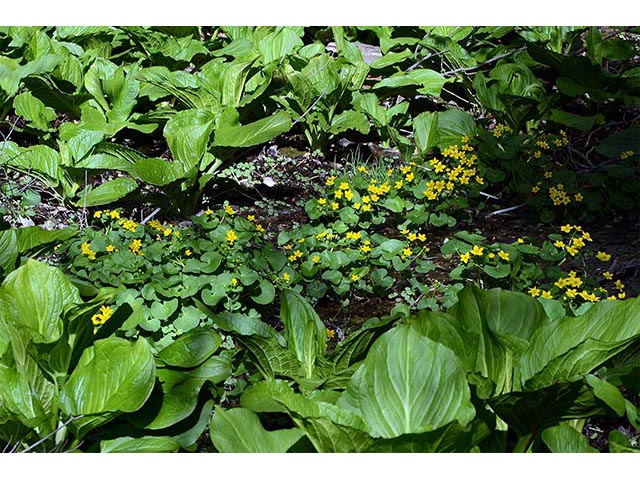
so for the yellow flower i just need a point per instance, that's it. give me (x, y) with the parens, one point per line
(621, 295)
(559, 244)
(330, 181)
(335, 205)
(344, 186)
(476, 250)
(208, 211)
(535, 189)
(353, 235)
(398, 185)
(167, 231)
(97, 214)
(571, 292)
(337, 194)
(465, 257)
(228, 209)
(316, 259)
(534, 292)
(406, 252)
(288, 246)
(365, 248)
(355, 277)
(566, 228)
(322, 201)
(187, 252)
(260, 228)
(362, 169)
(410, 176)
(548, 174)
(492, 255)
(578, 197)
(608, 275)
(503, 255)
(110, 248)
(546, 294)
(234, 282)
(251, 218)
(286, 277)
(135, 245)
(520, 241)
(572, 251)
(103, 316)
(619, 285)
(114, 214)
(231, 236)
(603, 257)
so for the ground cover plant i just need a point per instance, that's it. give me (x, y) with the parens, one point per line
(319, 239)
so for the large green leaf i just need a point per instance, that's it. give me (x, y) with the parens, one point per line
(34, 110)
(29, 238)
(35, 296)
(179, 392)
(255, 133)
(146, 444)
(304, 331)
(588, 339)
(191, 349)
(8, 251)
(495, 326)
(187, 134)
(430, 81)
(239, 431)
(156, 171)
(113, 376)
(565, 439)
(425, 130)
(108, 192)
(409, 384)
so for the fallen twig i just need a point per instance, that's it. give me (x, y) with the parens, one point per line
(505, 210)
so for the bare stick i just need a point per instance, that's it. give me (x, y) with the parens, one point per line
(505, 210)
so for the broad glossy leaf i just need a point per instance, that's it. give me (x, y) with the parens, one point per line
(156, 171)
(572, 120)
(114, 375)
(430, 81)
(147, 444)
(187, 134)
(350, 119)
(565, 439)
(607, 322)
(34, 110)
(496, 326)
(28, 238)
(304, 331)
(453, 124)
(238, 430)
(191, 349)
(328, 437)
(179, 393)
(255, 133)
(35, 296)
(408, 384)
(8, 251)
(425, 131)
(108, 192)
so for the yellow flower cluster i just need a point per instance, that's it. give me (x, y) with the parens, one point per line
(456, 167)
(102, 317)
(562, 140)
(295, 256)
(558, 195)
(231, 236)
(135, 247)
(86, 250)
(626, 154)
(128, 224)
(577, 241)
(114, 214)
(500, 130)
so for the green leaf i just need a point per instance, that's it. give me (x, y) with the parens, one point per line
(34, 110)
(305, 332)
(572, 120)
(408, 384)
(267, 293)
(147, 444)
(9, 252)
(156, 171)
(108, 192)
(578, 345)
(349, 119)
(114, 375)
(430, 81)
(425, 131)
(565, 439)
(453, 124)
(255, 133)
(619, 443)
(238, 430)
(191, 349)
(29, 238)
(187, 134)
(34, 296)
